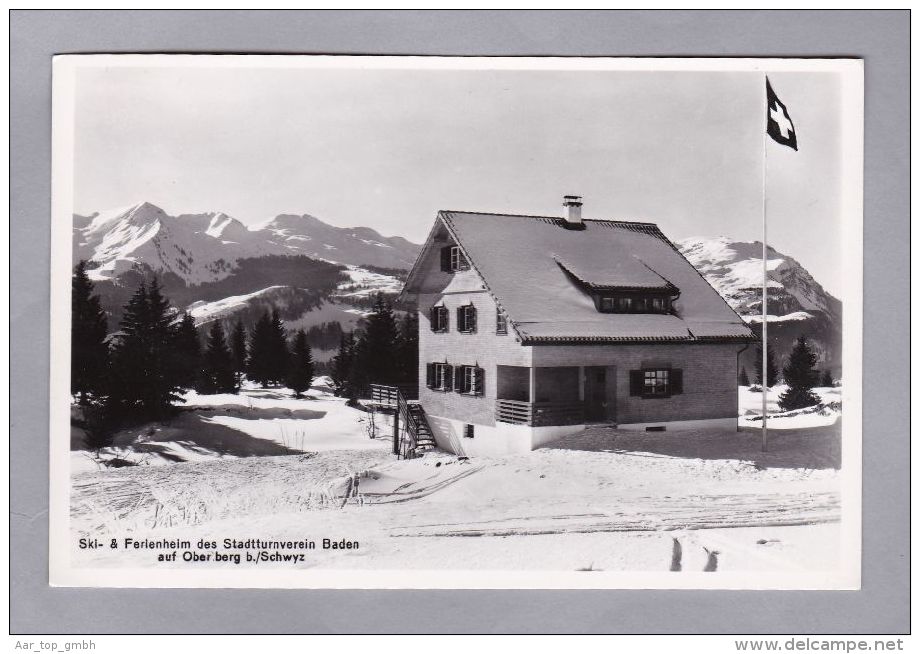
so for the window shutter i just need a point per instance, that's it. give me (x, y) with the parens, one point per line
(445, 319)
(429, 372)
(480, 381)
(676, 381)
(471, 318)
(448, 377)
(635, 382)
(461, 323)
(433, 319)
(445, 259)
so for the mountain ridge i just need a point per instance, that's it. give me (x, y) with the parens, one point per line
(204, 247)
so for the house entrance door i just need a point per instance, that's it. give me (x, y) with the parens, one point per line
(595, 394)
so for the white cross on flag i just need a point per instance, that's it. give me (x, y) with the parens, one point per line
(779, 124)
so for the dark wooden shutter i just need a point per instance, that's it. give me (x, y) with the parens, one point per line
(480, 380)
(445, 258)
(461, 323)
(445, 319)
(471, 318)
(676, 381)
(429, 372)
(433, 319)
(636, 379)
(448, 377)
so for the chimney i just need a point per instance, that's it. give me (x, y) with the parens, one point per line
(572, 204)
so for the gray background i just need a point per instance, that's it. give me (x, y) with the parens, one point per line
(881, 37)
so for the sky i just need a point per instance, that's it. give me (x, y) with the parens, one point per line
(388, 148)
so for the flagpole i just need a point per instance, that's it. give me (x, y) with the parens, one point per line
(763, 328)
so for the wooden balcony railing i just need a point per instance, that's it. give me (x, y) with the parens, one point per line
(539, 414)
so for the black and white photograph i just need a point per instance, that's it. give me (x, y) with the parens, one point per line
(418, 322)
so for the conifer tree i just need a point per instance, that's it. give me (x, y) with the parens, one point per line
(341, 365)
(376, 351)
(771, 368)
(799, 374)
(279, 363)
(89, 352)
(300, 372)
(827, 380)
(259, 367)
(743, 378)
(186, 352)
(238, 349)
(218, 371)
(407, 349)
(145, 380)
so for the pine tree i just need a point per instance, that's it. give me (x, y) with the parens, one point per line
(771, 368)
(799, 374)
(89, 352)
(238, 348)
(99, 424)
(300, 373)
(376, 351)
(145, 378)
(218, 371)
(743, 378)
(341, 365)
(268, 355)
(407, 350)
(186, 352)
(279, 357)
(259, 367)
(826, 379)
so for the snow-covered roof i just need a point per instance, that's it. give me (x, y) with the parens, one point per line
(541, 273)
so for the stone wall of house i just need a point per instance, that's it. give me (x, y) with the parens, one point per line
(710, 379)
(484, 349)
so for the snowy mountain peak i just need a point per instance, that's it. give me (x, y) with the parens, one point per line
(735, 269)
(796, 303)
(204, 247)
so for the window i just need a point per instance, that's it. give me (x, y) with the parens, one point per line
(656, 382)
(440, 376)
(501, 322)
(634, 304)
(452, 259)
(439, 319)
(470, 380)
(466, 319)
(468, 431)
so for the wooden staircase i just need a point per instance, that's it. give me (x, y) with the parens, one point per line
(419, 437)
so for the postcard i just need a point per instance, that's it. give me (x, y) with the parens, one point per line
(436, 322)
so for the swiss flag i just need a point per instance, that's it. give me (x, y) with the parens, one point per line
(779, 124)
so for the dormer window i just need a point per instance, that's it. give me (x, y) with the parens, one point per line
(633, 303)
(452, 259)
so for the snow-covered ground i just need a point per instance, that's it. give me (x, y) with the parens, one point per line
(826, 414)
(604, 499)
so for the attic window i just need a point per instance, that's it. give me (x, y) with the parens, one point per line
(453, 260)
(633, 303)
(501, 322)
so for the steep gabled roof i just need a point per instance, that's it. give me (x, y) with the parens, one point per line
(540, 274)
